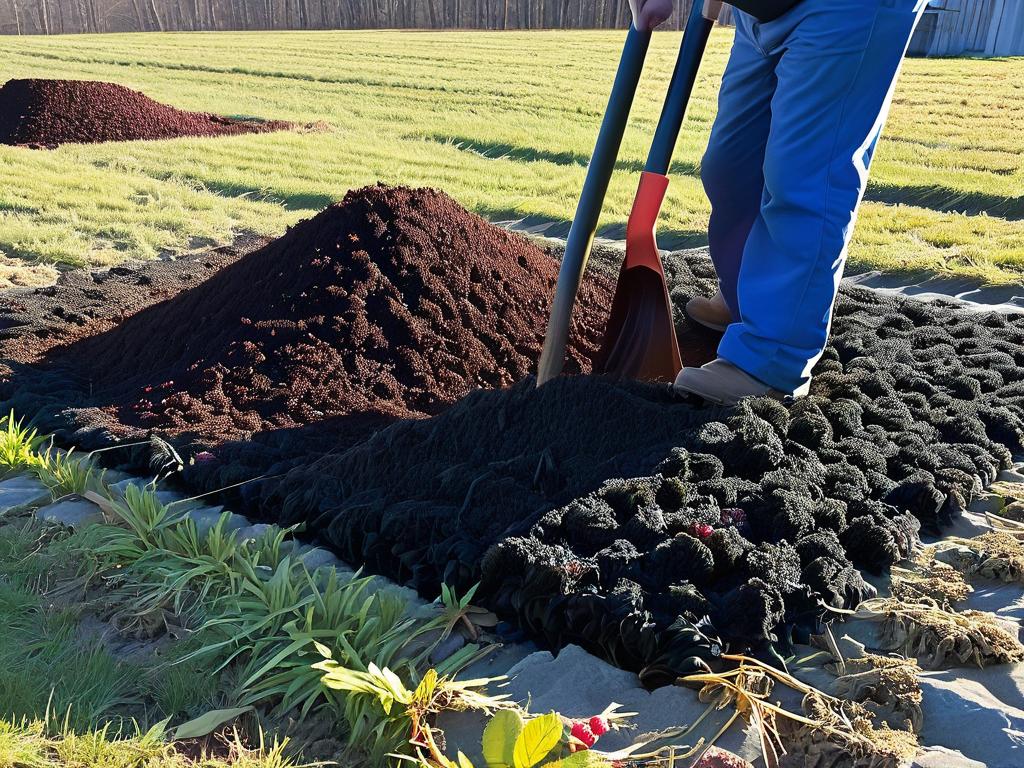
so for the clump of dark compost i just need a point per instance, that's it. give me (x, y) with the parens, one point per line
(595, 512)
(47, 113)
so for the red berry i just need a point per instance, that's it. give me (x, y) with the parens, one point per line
(581, 732)
(599, 725)
(701, 530)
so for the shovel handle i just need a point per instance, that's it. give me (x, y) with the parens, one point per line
(703, 16)
(584, 224)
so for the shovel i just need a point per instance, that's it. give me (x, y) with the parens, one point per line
(640, 339)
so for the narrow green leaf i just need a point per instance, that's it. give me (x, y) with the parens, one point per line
(206, 724)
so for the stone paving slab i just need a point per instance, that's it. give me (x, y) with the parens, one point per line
(253, 532)
(207, 517)
(20, 493)
(1015, 475)
(940, 757)
(317, 557)
(74, 513)
(977, 712)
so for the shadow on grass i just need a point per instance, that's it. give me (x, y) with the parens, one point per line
(300, 201)
(930, 196)
(493, 150)
(945, 200)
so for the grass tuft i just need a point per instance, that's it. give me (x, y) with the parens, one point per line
(19, 446)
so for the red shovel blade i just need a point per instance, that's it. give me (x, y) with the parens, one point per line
(640, 339)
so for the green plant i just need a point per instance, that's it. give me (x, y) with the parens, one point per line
(145, 517)
(19, 446)
(34, 555)
(65, 474)
(405, 712)
(184, 575)
(513, 739)
(259, 611)
(270, 549)
(269, 625)
(335, 611)
(157, 563)
(107, 747)
(51, 743)
(184, 689)
(459, 612)
(46, 665)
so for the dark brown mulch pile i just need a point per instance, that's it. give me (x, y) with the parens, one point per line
(46, 113)
(394, 302)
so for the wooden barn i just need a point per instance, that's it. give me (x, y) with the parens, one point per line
(970, 28)
(964, 28)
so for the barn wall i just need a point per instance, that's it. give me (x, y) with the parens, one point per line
(1007, 38)
(971, 28)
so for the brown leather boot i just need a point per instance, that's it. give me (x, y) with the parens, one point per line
(712, 313)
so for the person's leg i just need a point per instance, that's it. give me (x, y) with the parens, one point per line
(731, 167)
(838, 66)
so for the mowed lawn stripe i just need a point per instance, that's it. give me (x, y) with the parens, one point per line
(504, 122)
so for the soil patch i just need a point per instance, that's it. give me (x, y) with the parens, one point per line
(594, 512)
(84, 303)
(394, 301)
(46, 113)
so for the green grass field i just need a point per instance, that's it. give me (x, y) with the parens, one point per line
(504, 122)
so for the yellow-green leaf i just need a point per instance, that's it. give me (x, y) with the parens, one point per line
(425, 690)
(538, 737)
(206, 724)
(500, 738)
(323, 650)
(464, 762)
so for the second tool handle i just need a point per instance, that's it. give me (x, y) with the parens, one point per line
(702, 19)
(588, 211)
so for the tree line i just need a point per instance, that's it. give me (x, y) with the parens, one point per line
(31, 17)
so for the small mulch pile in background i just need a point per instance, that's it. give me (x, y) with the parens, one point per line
(46, 113)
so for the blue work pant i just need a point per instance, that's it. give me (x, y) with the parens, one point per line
(802, 103)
